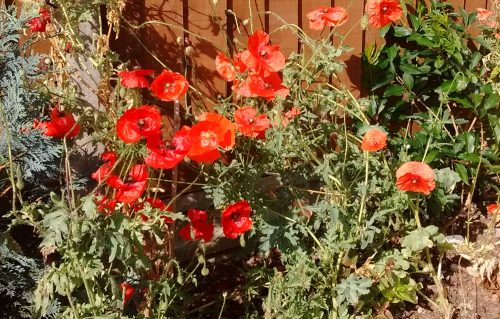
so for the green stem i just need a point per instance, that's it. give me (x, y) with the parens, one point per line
(363, 197)
(443, 302)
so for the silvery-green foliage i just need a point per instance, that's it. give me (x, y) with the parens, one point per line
(22, 98)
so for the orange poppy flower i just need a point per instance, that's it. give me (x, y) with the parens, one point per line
(374, 140)
(327, 16)
(169, 86)
(493, 209)
(249, 123)
(225, 67)
(483, 16)
(260, 57)
(138, 122)
(61, 125)
(415, 177)
(285, 119)
(236, 219)
(383, 12)
(211, 132)
(135, 78)
(267, 87)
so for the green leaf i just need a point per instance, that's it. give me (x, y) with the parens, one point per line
(394, 90)
(431, 156)
(418, 239)
(462, 172)
(423, 41)
(448, 86)
(408, 81)
(89, 207)
(352, 288)
(447, 179)
(491, 101)
(400, 32)
(392, 52)
(384, 30)
(410, 69)
(476, 57)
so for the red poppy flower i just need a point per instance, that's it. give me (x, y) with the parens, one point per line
(128, 292)
(155, 203)
(374, 140)
(249, 123)
(129, 192)
(135, 78)
(327, 16)
(493, 209)
(169, 86)
(260, 57)
(162, 155)
(199, 226)
(415, 177)
(105, 204)
(267, 87)
(39, 24)
(236, 219)
(383, 12)
(105, 170)
(211, 132)
(61, 124)
(138, 122)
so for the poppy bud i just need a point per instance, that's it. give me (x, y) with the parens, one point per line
(189, 51)
(205, 272)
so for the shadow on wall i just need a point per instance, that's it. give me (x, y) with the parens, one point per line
(162, 40)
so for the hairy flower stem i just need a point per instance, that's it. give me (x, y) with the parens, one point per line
(362, 208)
(442, 301)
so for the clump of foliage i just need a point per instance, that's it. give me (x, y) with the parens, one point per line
(432, 77)
(343, 192)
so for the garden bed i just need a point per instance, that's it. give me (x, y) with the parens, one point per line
(208, 159)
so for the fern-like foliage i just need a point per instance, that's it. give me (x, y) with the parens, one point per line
(21, 100)
(18, 277)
